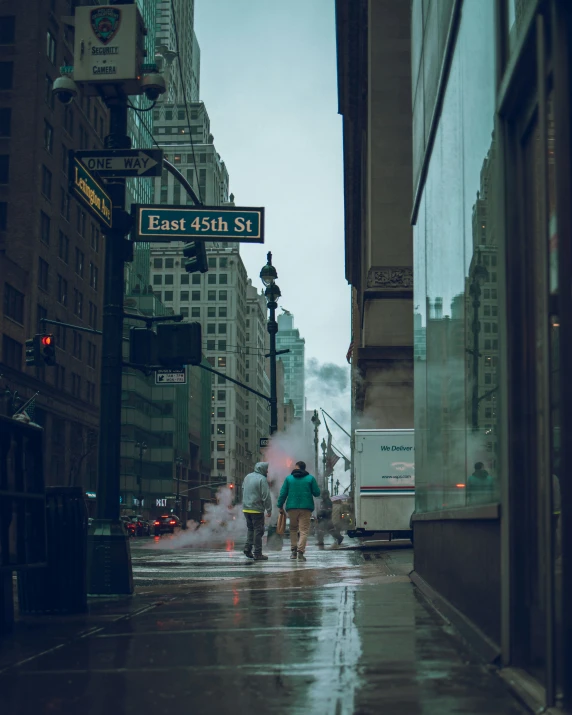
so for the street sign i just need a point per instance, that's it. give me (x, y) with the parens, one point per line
(155, 222)
(264, 442)
(85, 188)
(123, 162)
(171, 377)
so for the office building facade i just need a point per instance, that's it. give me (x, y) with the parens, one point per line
(288, 338)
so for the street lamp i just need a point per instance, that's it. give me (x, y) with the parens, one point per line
(178, 472)
(324, 447)
(268, 276)
(316, 422)
(142, 447)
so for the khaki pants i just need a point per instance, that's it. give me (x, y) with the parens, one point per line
(299, 528)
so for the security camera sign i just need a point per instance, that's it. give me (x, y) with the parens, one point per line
(109, 45)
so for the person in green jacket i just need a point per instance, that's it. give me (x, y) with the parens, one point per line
(298, 492)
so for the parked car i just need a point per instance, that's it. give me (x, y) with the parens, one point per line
(142, 526)
(166, 524)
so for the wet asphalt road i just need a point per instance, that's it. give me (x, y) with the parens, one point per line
(210, 632)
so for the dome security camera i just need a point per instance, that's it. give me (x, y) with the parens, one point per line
(154, 86)
(65, 89)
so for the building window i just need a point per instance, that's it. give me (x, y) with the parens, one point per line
(79, 260)
(196, 295)
(223, 262)
(76, 385)
(93, 275)
(157, 279)
(211, 295)
(4, 168)
(222, 328)
(222, 362)
(65, 204)
(78, 303)
(91, 354)
(11, 352)
(195, 312)
(77, 344)
(211, 328)
(220, 464)
(222, 312)
(5, 121)
(185, 295)
(62, 290)
(13, 303)
(222, 295)
(221, 428)
(43, 268)
(6, 75)
(92, 315)
(222, 346)
(169, 279)
(185, 279)
(212, 262)
(157, 263)
(46, 182)
(48, 137)
(81, 222)
(90, 392)
(169, 262)
(211, 344)
(64, 247)
(51, 47)
(211, 312)
(221, 395)
(7, 29)
(220, 446)
(223, 278)
(60, 377)
(221, 413)
(184, 312)
(196, 280)
(211, 278)
(168, 296)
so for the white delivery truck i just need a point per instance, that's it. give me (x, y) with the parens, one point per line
(384, 483)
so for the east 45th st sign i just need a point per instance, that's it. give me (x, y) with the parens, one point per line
(207, 223)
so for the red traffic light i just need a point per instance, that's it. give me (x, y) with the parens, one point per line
(46, 339)
(231, 486)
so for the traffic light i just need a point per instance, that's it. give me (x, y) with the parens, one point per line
(142, 346)
(196, 255)
(41, 350)
(33, 351)
(48, 348)
(179, 344)
(231, 486)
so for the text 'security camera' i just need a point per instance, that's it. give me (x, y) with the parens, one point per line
(65, 89)
(154, 86)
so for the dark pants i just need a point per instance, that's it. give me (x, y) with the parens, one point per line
(255, 526)
(327, 526)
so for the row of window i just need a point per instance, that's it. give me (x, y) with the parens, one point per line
(168, 279)
(168, 295)
(170, 263)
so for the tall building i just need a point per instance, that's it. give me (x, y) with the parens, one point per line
(289, 338)
(176, 41)
(51, 250)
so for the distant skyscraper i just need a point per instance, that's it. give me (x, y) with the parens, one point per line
(288, 337)
(168, 52)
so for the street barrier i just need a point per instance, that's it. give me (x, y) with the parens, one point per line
(62, 586)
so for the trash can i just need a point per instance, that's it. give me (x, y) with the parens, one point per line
(60, 587)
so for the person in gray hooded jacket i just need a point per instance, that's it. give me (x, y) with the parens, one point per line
(256, 500)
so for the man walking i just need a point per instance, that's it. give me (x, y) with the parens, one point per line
(298, 492)
(256, 500)
(325, 520)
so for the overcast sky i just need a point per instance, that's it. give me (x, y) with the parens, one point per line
(268, 80)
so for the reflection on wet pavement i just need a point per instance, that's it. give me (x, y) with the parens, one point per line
(212, 633)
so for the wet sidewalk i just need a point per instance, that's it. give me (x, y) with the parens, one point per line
(345, 633)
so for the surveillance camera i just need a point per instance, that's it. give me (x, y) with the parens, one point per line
(65, 89)
(154, 86)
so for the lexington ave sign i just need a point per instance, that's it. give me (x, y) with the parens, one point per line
(123, 162)
(156, 222)
(86, 189)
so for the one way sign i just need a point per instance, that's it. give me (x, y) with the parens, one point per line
(122, 162)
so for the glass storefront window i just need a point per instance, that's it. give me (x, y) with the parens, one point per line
(456, 332)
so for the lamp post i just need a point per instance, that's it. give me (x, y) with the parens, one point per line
(324, 447)
(480, 276)
(268, 276)
(142, 447)
(178, 472)
(316, 422)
